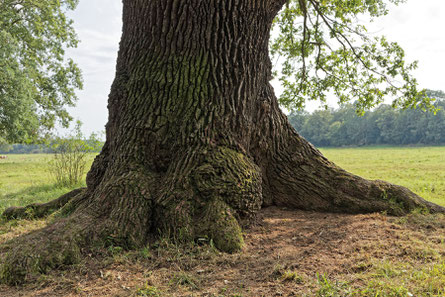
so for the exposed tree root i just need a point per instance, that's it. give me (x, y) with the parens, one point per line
(96, 221)
(296, 175)
(220, 192)
(320, 185)
(40, 210)
(40, 251)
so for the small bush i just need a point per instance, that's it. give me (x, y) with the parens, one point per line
(70, 156)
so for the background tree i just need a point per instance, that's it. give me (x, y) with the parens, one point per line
(196, 142)
(384, 125)
(36, 81)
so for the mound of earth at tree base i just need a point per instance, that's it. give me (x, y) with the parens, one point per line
(287, 253)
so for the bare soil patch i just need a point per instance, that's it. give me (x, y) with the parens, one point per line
(287, 253)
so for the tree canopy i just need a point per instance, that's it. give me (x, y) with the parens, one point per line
(325, 49)
(37, 82)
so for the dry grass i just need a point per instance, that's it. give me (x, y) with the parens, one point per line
(288, 253)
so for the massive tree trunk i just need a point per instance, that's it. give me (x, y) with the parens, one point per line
(196, 143)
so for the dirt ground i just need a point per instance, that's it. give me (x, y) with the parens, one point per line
(287, 253)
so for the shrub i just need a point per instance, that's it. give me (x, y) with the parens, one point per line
(70, 156)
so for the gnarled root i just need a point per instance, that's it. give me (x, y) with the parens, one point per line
(118, 213)
(40, 251)
(40, 210)
(296, 175)
(301, 177)
(222, 192)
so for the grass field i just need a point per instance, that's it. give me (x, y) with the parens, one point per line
(26, 179)
(421, 169)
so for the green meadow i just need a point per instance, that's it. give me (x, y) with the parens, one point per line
(421, 169)
(26, 179)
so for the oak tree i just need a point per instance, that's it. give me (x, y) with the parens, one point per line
(196, 143)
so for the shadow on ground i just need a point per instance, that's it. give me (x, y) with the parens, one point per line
(287, 253)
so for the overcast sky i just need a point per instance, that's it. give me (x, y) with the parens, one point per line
(417, 26)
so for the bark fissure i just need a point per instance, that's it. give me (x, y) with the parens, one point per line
(196, 142)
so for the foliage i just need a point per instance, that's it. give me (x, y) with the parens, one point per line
(384, 125)
(24, 149)
(325, 49)
(36, 81)
(71, 156)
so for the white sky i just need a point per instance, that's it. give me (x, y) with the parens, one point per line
(418, 26)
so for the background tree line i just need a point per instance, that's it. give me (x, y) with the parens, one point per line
(75, 140)
(43, 148)
(384, 125)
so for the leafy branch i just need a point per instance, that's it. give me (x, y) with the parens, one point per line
(327, 57)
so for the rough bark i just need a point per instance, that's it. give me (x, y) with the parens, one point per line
(196, 143)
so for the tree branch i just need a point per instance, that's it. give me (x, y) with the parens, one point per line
(337, 33)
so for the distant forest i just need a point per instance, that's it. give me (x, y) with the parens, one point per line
(41, 148)
(25, 149)
(382, 126)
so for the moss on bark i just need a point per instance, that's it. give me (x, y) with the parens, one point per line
(218, 223)
(212, 198)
